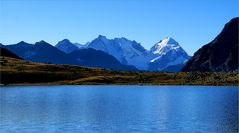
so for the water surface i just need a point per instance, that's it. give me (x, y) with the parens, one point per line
(106, 109)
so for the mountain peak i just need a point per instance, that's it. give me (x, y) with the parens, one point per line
(64, 42)
(102, 37)
(168, 40)
(42, 41)
(167, 53)
(165, 45)
(66, 46)
(22, 42)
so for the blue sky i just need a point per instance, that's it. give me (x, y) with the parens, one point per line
(192, 23)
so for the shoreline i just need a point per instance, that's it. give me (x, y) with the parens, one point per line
(107, 84)
(19, 72)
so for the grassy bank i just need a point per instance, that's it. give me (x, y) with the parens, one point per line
(16, 71)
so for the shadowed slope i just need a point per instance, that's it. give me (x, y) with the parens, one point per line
(219, 55)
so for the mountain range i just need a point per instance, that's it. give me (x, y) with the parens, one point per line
(117, 54)
(164, 55)
(132, 53)
(44, 52)
(122, 54)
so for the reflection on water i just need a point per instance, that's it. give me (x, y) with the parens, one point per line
(197, 109)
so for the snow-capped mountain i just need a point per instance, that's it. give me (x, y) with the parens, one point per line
(167, 53)
(66, 46)
(126, 51)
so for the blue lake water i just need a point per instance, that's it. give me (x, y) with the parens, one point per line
(120, 109)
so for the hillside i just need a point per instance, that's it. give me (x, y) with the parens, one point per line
(219, 55)
(7, 53)
(18, 71)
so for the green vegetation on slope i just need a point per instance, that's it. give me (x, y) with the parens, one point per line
(16, 71)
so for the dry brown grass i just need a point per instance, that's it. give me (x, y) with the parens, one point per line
(15, 71)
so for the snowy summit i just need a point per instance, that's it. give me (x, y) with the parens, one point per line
(167, 53)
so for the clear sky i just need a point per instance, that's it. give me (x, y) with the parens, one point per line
(192, 23)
